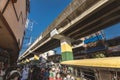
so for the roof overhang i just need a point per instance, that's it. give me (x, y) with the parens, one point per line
(7, 39)
(108, 62)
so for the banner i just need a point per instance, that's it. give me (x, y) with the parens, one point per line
(93, 39)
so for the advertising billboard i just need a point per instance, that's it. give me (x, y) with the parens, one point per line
(94, 42)
(93, 39)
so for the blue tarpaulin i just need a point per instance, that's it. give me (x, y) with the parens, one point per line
(93, 39)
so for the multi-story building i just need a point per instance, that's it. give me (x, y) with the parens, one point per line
(13, 16)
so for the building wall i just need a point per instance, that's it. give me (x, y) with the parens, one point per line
(15, 14)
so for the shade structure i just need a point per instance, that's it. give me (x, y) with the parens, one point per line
(108, 62)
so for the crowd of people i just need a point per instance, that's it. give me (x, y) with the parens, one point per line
(33, 72)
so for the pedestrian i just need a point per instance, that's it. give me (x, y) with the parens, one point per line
(42, 74)
(2, 73)
(25, 73)
(52, 75)
(58, 76)
(70, 77)
(7, 72)
(35, 73)
(46, 74)
(14, 75)
(64, 77)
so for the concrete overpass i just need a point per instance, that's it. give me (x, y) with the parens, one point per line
(79, 19)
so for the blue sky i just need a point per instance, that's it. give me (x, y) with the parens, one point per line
(112, 31)
(44, 12)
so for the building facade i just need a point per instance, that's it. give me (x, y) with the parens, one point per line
(13, 16)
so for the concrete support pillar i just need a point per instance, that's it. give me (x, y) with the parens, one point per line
(65, 43)
(66, 49)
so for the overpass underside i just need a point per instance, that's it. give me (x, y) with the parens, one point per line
(101, 18)
(87, 18)
(53, 43)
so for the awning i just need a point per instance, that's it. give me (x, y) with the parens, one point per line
(111, 62)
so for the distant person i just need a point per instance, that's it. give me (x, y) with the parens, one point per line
(35, 73)
(7, 72)
(58, 76)
(13, 76)
(25, 73)
(46, 74)
(52, 75)
(69, 76)
(2, 73)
